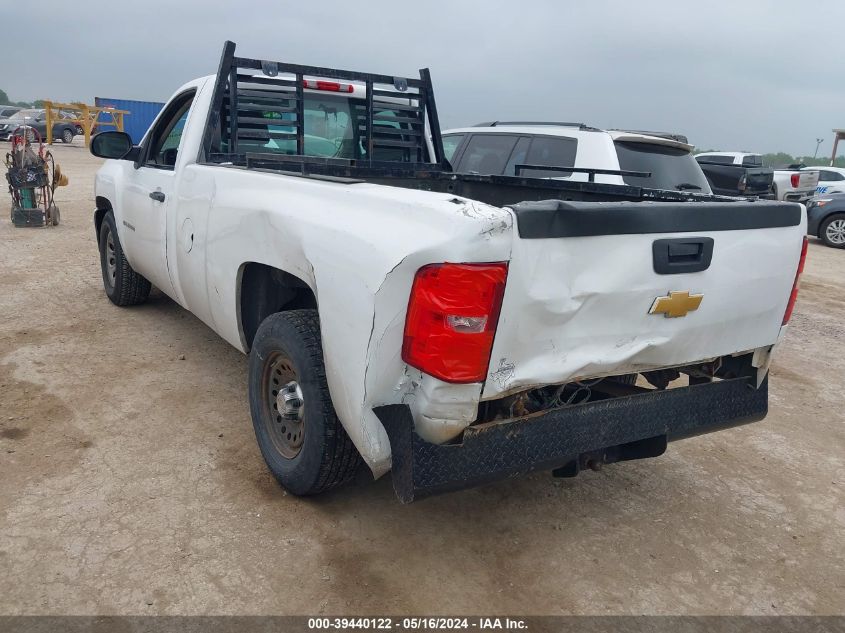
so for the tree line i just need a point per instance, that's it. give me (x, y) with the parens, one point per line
(780, 159)
(4, 100)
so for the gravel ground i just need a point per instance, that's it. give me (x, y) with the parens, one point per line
(130, 481)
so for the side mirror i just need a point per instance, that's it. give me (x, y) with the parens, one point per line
(112, 144)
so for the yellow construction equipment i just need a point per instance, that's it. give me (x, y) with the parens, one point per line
(87, 117)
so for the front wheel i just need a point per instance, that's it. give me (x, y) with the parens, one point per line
(832, 231)
(302, 441)
(67, 135)
(123, 286)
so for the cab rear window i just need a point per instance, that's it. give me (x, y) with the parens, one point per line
(716, 159)
(333, 129)
(672, 168)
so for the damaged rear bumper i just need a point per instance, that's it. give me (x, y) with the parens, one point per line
(560, 437)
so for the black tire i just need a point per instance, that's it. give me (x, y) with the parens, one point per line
(67, 135)
(123, 286)
(826, 231)
(305, 446)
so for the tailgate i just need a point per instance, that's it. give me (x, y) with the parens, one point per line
(758, 179)
(808, 180)
(584, 277)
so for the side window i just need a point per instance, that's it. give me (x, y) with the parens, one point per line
(554, 152)
(167, 134)
(487, 154)
(752, 160)
(825, 176)
(174, 137)
(519, 156)
(450, 144)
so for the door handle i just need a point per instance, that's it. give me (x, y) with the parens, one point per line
(158, 196)
(682, 255)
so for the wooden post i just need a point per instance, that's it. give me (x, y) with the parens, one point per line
(48, 107)
(86, 126)
(836, 135)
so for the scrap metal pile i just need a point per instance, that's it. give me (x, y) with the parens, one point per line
(33, 177)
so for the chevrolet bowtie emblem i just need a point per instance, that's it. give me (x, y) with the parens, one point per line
(677, 304)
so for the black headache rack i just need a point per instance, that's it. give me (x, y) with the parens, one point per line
(391, 116)
(389, 137)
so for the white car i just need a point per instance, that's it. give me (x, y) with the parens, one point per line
(548, 149)
(453, 328)
(831, 179)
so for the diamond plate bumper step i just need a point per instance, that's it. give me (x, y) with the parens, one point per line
(554, 439)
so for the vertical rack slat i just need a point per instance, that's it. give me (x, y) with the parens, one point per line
(434, 121)
(233, 109)
(300, 115)
(213, 123)
(369, 116)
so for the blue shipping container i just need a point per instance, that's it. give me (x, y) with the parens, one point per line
(135, 124)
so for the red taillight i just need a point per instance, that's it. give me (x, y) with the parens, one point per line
(795, 179)
(794, 295)
(330, 86)
(452, 317)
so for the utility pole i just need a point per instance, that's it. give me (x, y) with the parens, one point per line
(819, 141)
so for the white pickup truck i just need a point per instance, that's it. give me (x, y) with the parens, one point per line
(455, 328)
(790, 183)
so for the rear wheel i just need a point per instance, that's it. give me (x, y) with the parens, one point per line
(832, 231)
(67, 135)
(123, 286)
(302, 441)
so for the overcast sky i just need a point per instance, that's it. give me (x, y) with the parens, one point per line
(734, 75)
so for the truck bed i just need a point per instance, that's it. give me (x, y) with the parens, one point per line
(491, 189)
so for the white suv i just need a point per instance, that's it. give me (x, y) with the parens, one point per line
(831, 179)
(645, 159)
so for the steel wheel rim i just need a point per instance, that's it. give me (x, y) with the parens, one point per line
(835, 232)
(67, 136)
(284, 405)
(111, 259)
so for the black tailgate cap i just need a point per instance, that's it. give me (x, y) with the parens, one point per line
(558, 218)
